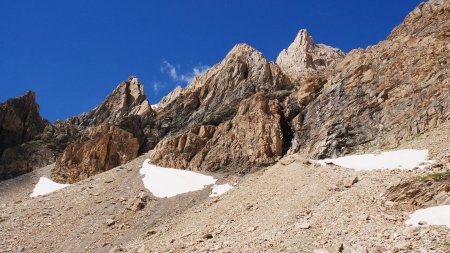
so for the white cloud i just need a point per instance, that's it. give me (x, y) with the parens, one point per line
(173, 72)
(157, 86)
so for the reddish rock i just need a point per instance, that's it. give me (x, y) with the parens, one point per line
(99, 149)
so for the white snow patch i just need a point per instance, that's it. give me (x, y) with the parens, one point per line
(154, 106)
(219, 189)
(168, 182)
(398, 159)
(46, 186)
(436, 215)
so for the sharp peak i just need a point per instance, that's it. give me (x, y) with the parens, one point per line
(304, 37)
(242, 48)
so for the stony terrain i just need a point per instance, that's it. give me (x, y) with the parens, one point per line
(254, 124)
(292, 206)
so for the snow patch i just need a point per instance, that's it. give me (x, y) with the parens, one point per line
(436, 215)
(46, 186)
(168, 182)
(219, 189)
(398, 159)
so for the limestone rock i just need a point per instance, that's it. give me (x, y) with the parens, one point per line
(420, 192)
(380, 96)
(126, 100)
(99, 149)
(253, 138)
(214, 96)
(177, 151)
(348, 182)
(304, 57)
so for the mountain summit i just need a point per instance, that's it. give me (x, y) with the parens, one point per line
(304, 57)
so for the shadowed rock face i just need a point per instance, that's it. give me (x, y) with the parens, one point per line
(251, 139)
(20, 123)
(100, 149)
(20, 120)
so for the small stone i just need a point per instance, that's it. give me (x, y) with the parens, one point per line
(422, 223)
(20, 249)
(110, 222)
(404, 245)
(411, 230)
(251, 229)
(348, 182)
(390, 203)
(208, 236)
(107, 181)
(304, 225)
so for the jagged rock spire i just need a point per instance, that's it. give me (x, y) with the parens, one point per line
(304, 57)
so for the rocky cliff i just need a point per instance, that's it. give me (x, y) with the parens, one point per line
(20, 126)
(303, 57)
(253, 138)
(99, 149)
(380, 96)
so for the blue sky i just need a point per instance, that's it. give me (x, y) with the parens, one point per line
(74, 53)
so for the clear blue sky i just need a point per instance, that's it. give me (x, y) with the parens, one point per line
(74, 53)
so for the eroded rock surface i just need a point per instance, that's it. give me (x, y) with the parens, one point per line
(253, 138)
(20, 125)
(213, 97)
(99, 149)
(304, 57)
(126, 100)
(381, 96)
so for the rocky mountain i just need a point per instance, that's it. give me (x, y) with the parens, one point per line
(109, 135)
(20, 128)
(303, 57)
(314, 100)
(126, 100)
(254, 127)
(379, 96)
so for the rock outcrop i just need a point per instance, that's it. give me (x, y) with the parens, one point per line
(128, 99)
(213, 97)
(380, 96)
(253, 138)
(303, 57)
(99, 149)
(20, 120)
(421, 192)
(20, 127)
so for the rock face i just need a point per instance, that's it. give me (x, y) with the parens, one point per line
(304, 57)
(126, 100)
(99, 149)
(213, 97)
(253, 138)
(247, 112)
(422, 192)
(20, 127)
(20, 120)
(380, 96)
